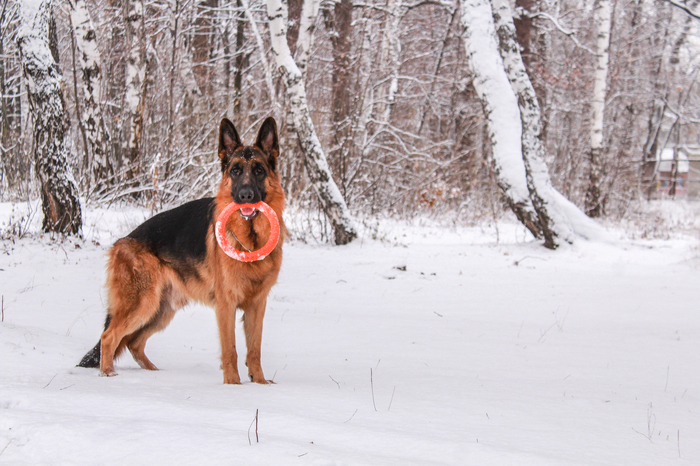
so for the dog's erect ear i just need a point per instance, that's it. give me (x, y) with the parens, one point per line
(267, 140)
(228, 141)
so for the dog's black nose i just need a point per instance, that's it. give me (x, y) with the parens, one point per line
(246, 194)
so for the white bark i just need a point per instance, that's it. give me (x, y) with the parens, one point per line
(559, 217)
(261, 48)
(89, 60)
(500, 106)
(309, 12)
(396, 10)
(602, 25)
(59, 192)
(594, 196)
(315, 161)
(135, 76)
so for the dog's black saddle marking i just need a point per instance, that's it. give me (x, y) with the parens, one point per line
(178, 235)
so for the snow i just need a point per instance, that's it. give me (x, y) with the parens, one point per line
(426, 346)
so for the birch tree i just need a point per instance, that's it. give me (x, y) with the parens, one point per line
(89, 59)
(594, 200)
(59, 192)
(501, 108)
(314, 158)
(502, 86)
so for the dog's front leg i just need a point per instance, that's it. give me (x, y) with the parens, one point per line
(226, 319)
(252, 325)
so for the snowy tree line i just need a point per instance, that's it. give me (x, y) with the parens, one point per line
(392, 93)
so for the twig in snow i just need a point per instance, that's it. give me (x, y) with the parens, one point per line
(255, 421)
(8, 444)
(50, 381)
(353, 415)
(392, 398)
(334, 381)
(650, 427)
(371, 382)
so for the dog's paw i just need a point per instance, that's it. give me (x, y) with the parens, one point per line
(108, 374)
(261, 380)
(234, 380)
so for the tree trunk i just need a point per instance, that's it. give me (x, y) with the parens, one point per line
(240, 58)
(89, 58)
(59, 193)
(315, 162)
(305, 36)
(536, 172)
(396, 12)
(501, 109)
(201, 46)
(261, 48)
(135, 82)
(559, 218)
(293, 23)
(341, 100)
(594, 198)
(514, 124)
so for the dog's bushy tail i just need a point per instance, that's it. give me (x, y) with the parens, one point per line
(92, 357)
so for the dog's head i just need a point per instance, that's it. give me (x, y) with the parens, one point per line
(248, 170)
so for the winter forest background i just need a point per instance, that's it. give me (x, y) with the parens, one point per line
(390, 91)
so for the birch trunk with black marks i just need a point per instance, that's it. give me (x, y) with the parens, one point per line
(501, 108)
(537, 175)
(315, 161)
(559, 217)
(59, 192)
(101, 168)
(505, 88)
(594, 197)
(396, 12)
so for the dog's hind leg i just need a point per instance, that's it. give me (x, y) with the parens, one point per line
(134, 279)
(137, 342)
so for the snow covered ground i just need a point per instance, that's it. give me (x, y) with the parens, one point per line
(426, 346)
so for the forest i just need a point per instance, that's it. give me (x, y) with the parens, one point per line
(108, 101)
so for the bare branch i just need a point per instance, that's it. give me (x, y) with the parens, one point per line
(569, 33)
(685, 8)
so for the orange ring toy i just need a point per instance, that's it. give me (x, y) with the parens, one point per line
(261, 253)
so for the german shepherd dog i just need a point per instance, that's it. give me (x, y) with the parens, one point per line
(173, 258)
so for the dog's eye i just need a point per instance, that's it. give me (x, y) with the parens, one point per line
(258, 170)
(236, 170)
